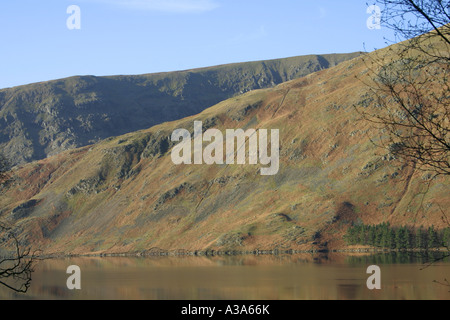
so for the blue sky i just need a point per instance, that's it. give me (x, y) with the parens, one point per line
(146, 36)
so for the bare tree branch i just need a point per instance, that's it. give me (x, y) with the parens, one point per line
(409, 91)
(17, 267)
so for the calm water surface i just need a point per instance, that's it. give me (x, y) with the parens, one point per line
(296, 277)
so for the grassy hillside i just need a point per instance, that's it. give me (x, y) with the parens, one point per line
(124, 194)
(43, 119)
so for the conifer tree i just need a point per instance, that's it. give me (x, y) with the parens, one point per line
(432, 238)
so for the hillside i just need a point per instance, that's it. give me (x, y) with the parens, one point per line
(42, 119)
(124, 194)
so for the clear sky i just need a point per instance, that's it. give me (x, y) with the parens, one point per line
(146, 36)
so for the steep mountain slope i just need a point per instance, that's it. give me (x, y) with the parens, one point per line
(43, 119)
(125, 194)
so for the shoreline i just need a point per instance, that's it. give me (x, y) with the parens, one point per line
(156, 252)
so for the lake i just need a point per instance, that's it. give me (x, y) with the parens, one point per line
(287, 277)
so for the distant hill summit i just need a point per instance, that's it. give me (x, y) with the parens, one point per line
(43, 119)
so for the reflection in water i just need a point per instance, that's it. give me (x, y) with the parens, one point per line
(399, 257)
(299, 277)
(348, 291)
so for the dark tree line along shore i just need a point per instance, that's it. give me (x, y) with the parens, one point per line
(385, 236)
